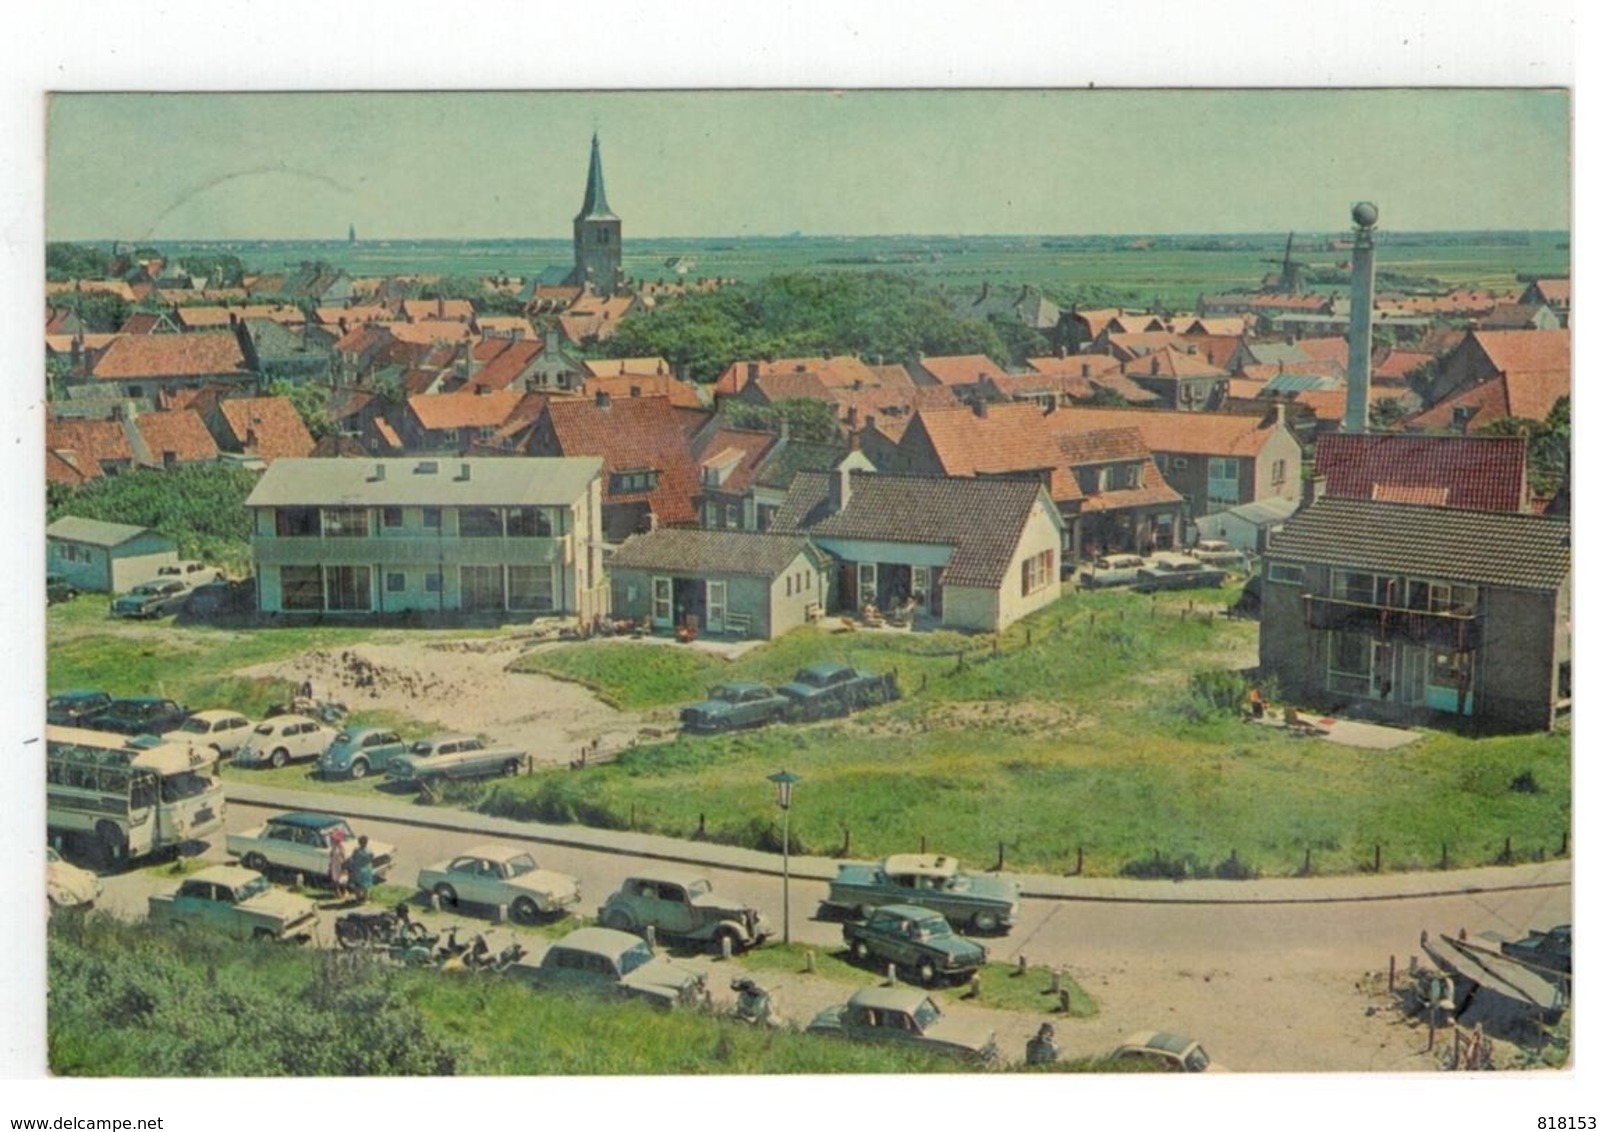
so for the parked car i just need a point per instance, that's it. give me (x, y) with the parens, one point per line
(154, 598)
(58, 588)
(608, 961)
(223, 731)
(75, 708)
(68, 887)
(192, 574)
(299, 842)
(1168, 1053)
(501, 876)
(454, 756)
(1110, 570)
(977, 901)
(826, 689)
(1217, 552)
(237, 902)
(358, 751)
(738, 704)
(918, 941)
(683, 905)
(1177, 572)
(283, 738)
(1552, 949)
(213, 598)
(139, 715)
(907, 1017)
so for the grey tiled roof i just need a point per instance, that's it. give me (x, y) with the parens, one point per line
(1528, 552)
(686, 551)
(981, 518)
(95, 532)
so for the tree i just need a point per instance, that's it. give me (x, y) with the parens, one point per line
(808, 420)
(1549, 445)
(64, 261)
(311, 401)
(1386, 412)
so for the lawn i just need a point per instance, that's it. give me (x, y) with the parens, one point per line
(1077, 740)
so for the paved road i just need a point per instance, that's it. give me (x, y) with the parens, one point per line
(1270, 983)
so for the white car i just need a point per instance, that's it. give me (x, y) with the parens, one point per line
(67, 886)
(1215, 552)
(501, 875)
(223, 731)
(282, 739)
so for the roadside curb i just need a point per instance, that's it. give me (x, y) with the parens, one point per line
(1309, 890)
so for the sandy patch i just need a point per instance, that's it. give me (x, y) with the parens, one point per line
(466, 686)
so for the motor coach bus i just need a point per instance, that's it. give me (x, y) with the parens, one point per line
(129, 798)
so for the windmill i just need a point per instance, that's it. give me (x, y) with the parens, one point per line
(1291, 279)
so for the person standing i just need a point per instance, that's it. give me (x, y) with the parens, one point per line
(361, 870)
(337, 863)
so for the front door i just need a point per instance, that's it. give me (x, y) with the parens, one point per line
(715, 602)
(920, 586)
(663, 603)
(867, 583)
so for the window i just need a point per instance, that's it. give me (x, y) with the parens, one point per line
(297, 522)
(1362, 587)
(432, 518)
(348, 588)
(1285, 574)
(391, 517)
(1279, 471)
(1221, 489)
(479, 522)
(528, 522)
(395, 582)
(432, 582)
(1035, 572)
(1179, 462)
(300, 588)
(1349, 663)
(481, 587)
(1441, 597)
(345, 522)
(733, 516)
(529, 587)
(622, 483)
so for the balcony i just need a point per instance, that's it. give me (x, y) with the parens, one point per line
(1459, 630)
(389, 550)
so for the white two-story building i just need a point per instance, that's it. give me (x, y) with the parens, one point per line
(501, 535)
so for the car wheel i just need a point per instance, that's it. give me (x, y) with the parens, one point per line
(525, 911)
(359, 769)
(731, 934)
(618, 919)
(255, 861)
(262, 935)
(512, 767)
(279, 757)
(447, 895)
(111, 842)
(926, 972)
(985, 921)
(860, 951)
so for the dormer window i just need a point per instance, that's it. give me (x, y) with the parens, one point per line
(643, 479)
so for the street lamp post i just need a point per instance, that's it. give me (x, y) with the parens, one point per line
(784, 782)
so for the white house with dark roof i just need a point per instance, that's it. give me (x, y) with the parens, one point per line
(736, 582)
(102, 557)
(504, 536)
(1410, 611)
(974, 553)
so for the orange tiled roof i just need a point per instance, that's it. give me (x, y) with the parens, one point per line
(445, 310)
(179, 431)
(679, 393)
(960, 369)
(1097, 320)
(1526, 395)
(1003, 438)
(65, 468)
(429, 331)
(218, 318)
(1330, 349)
(622, 367)
(893, 376)
(745, 447)
(84, 444)
(505, 324)
(1187, 433)
(1083, 365)
(1554, 292)
(509, 365)
(202, 354)
(1152, 491)
(277, 426)
(1129, 346)
(1102, 445)
(1519, 351)
(355, 315)
(1397, 363)
(1329, 404)
(464, 409)
(1169, 361)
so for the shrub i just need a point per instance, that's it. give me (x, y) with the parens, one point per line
(1217, 691)
(1524, 783)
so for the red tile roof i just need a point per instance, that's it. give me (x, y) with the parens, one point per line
(179, 431)
(446, 310)
(1003, 439)
(1082, 365)
(621, 367)
(633, 434)
(679, 393)
(429, 331)
(1396, 364)
(1129, 346)
(136, 356)
(1526, 395)
(1329, 404)
(1332, 349)
(218, 318)
(65, 468)
(1102, 446)
(1477, 473)
(512, 364)
(747, 448)
(84, 445)
(1152, 491)
(268, 427)
(1554, 292)
(1171, 362)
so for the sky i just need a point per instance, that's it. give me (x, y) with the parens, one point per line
(855, 162)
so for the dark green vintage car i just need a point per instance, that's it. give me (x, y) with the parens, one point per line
(918, 941)
(910, 1018)
(736, 704)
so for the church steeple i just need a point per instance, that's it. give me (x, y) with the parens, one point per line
(595, 206)
(597, 235)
